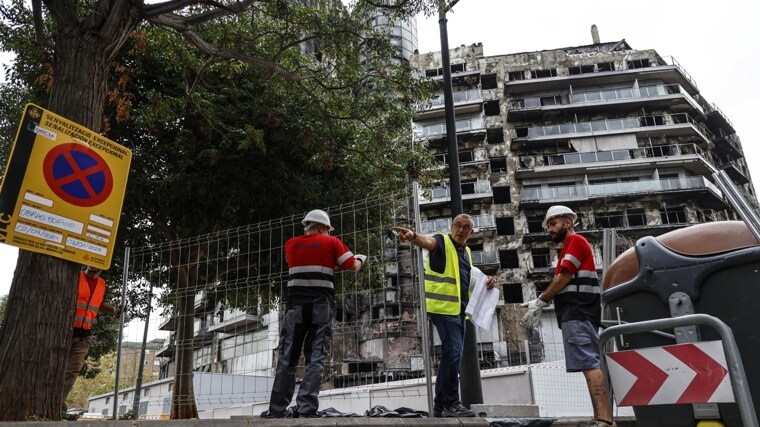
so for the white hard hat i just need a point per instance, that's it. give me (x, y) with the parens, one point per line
(558, 210)
(319, 216)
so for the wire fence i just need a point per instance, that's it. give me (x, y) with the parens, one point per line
(221, 299)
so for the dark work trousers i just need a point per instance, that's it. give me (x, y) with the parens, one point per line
(77, 354)
(451, 331)
(306, 327)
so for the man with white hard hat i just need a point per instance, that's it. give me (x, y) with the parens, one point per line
(310, 308)
(575, 291)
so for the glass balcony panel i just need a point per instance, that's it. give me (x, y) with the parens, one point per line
(536, 131)
(583, 127)
(615, 124)
(621, 154)
(588, 158)
(551, 130)
(532, 102)
(556, 160)
(593, 96)
(530, 193)
(567, 128)
(577, 98)
(630, 123)
(625, 93)
(573, 158)
(609, 95)
(599, 125)
(605, 156)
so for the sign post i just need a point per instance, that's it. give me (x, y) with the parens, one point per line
(63, 189)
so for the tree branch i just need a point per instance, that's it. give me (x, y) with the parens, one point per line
(39, 25)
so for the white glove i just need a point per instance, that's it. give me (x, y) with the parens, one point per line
(535, 307)
(361, 258)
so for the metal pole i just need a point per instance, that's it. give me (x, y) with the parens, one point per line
(472, 390)
(121, 330)
(141, 366)
(423, 306)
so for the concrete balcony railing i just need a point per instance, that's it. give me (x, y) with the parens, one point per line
(443, 225)
(438, 129)
(581, 191)
(610, 126)
(470, 190)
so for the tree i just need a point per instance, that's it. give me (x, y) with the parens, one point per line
(77, 43)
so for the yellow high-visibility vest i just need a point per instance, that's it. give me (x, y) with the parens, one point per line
(442, 290)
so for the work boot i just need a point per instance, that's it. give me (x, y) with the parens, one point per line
(597, 423)
(456, 410)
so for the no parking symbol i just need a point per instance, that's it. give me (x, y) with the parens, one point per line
(77, 174)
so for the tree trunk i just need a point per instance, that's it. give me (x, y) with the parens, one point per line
(183, 394)
(36, 335)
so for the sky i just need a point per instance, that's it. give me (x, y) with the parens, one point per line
(718, 43)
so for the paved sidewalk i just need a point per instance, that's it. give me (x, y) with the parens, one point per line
(313, 422)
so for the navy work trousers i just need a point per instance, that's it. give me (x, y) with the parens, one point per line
(451, 332)
(306, 327)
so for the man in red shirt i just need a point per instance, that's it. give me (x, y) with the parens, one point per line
(91, 291)
(576, 295)
(310, 308)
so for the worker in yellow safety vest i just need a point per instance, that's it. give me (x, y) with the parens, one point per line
(447, 283)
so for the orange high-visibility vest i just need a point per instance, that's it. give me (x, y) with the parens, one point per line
(88, 303)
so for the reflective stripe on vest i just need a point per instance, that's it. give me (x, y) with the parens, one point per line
(88, 305)
(442, 290)
(311, 276)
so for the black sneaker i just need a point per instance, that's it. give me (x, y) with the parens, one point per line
(437, 412)
(457, 410)
(269, 414)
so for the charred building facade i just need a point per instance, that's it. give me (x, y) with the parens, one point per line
(621, 136)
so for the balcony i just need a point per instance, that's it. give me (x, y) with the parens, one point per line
(235, 321)
(443, 225)
(719, 122)
(604, 101)
(167, 322)
(729, 145)
(479, 190)
(167, 350)
(689, 156)
(467, 101)
(469, 160)
(666, 69)
(438, 130)
(641, 189)
(644, 126)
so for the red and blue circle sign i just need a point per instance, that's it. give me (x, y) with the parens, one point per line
(77, 174)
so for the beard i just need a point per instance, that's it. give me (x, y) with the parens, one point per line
(559, 237)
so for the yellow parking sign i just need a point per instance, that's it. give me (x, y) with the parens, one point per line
(63, 189)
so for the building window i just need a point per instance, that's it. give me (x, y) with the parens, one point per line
(505, 226)
(146, 392)
(582, 69)
(108, 400)
(541, 257)
(501, 195)
(457, 68)
(609, 220)
(636, 217)
(491, 108)
(535, 224)
(488, 81)
(468, 186)
(673, 215)
(508, 258)
(513, 293)
(495, 136)
(605, 66)
(551, 100)
(466, 156)
(539, 74)
(515, 75)
(638, 63)
(498, 164)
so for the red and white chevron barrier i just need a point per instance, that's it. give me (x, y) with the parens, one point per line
(681, 373)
